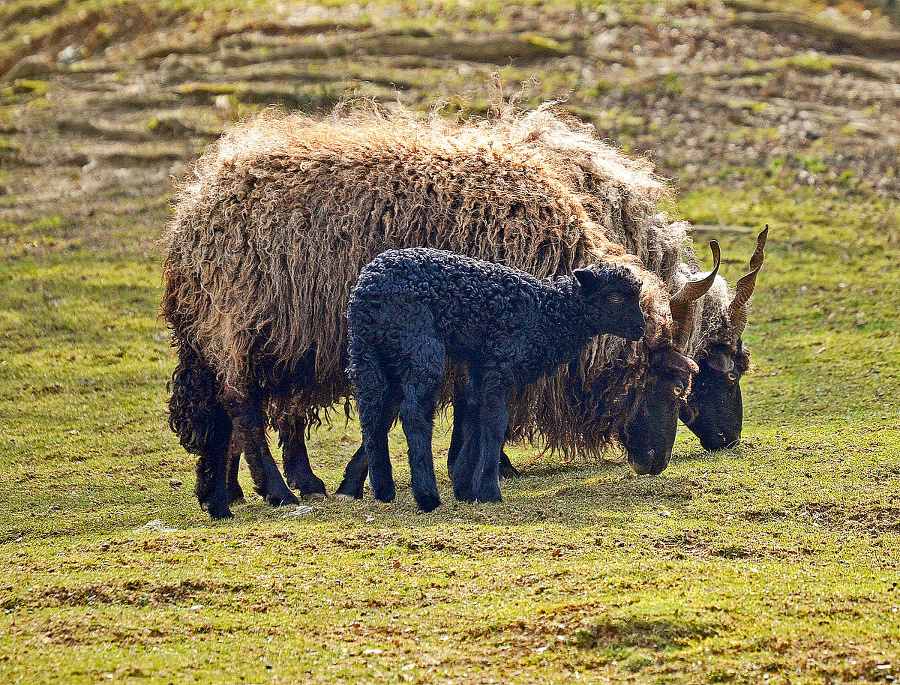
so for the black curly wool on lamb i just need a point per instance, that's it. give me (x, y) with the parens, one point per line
(413, 309)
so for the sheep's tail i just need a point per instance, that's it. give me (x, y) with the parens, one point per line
(194, 409)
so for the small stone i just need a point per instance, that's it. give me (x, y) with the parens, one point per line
(175, 483)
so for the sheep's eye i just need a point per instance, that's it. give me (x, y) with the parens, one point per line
(732, 376)
(615, 299)
(677, 390)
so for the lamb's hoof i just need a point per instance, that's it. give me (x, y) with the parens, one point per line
(490, 494)
(387, 494)
(314, 497)
(428, 503)
(237, 500)
(344, 497)
(236, 496)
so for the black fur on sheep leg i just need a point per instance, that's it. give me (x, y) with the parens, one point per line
(249, 417)
(476, 473)
(297, 468)
(355, 475)
(203, 427)
(507, 470)
(377, 400)
(235, 450)
(411, 309)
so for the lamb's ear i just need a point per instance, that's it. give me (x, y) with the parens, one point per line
(587, 278)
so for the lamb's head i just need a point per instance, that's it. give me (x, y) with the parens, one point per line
(649, 435)
(714, 410)
(611, 299)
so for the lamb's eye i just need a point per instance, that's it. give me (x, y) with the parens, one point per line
(615, 299)
(732, 376)
(677, 390)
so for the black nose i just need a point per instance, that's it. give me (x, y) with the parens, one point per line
(720, 442)
(646, 463)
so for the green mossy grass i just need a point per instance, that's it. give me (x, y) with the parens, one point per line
(778, 558)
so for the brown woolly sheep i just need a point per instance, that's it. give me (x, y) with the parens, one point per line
(267, 240)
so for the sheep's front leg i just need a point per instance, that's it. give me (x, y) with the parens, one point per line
(355, 473)
(465, 443)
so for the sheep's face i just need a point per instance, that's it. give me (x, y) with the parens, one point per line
(650, 434)
(611, 301)
(714, 410)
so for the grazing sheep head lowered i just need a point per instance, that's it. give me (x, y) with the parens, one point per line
(650, 434)
(714, 411)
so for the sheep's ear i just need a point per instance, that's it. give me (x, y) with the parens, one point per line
(587, 278)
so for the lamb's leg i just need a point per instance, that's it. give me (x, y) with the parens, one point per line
(466, 459)
(235, 450)
(297, 469)
(495, 420)
(420, 393)
(417, 418)
(351, 486)
(249, 418)
(376, 399)
(460, 414)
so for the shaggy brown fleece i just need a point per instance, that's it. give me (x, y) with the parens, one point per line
(283, 212)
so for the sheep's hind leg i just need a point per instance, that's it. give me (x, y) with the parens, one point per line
(203, 427)
(211, 466)
(297, 469)
(235, 450)
(420, 391)
(250, 419)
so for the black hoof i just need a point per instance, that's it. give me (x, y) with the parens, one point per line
(283, 499)
(490, 493)
(428, 502)
(307, 486)
(385, 495)
(346, 491)
(509, 471)
(217, 510)
(235, 495)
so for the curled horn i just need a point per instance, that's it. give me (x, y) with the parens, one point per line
(737, 310)
(682, 302)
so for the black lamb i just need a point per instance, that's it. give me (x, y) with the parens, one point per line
(413, 309)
